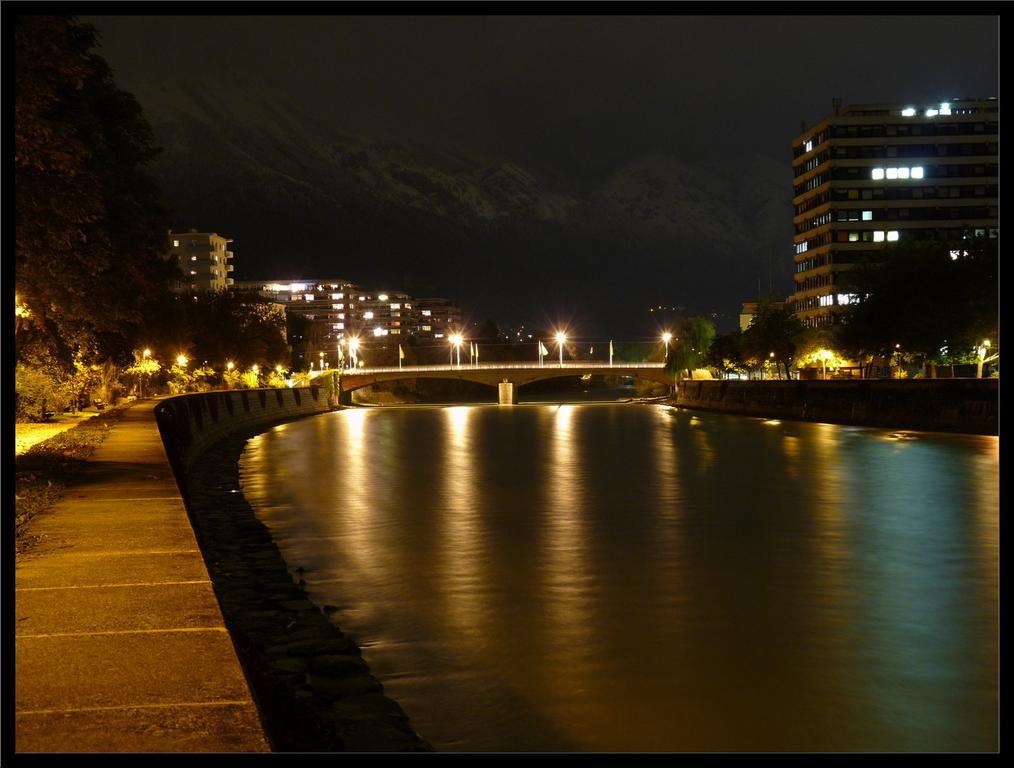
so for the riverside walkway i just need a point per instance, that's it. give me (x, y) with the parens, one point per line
(120, 644)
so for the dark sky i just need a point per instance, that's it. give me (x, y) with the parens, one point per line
(577, 96)
(579, 92)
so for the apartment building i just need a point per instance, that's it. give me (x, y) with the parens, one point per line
(204, 259)
(870, 175)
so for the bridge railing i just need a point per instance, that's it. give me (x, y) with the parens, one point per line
(548, 365)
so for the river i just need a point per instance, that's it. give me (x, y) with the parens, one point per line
(627, 577)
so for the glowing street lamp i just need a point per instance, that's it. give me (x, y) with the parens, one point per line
(666, 338)
(230, 365)
(354, 351)
(182, 361)
(561, 338)
(982, 357)
(455, 340)
(146, 353)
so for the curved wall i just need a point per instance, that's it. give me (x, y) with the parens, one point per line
(190, 424)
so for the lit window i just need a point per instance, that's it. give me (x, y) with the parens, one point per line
(382, 297)
(903, 173)
(909, 112)
(339, 326)
(396, 330)
(341, 315)
(917, 172)
(438, 335)
(867, 215)
(367, 315)
(176, 243)
(955, 255)
(878, 236)
(362, 298)
(193, 258)
(853, 237)
(945, 108)
(193, 271)
(931, 113)
(378, 331)
(426, 313)
(395, 306)
(427, 328)
(336, 295)
(878, 174)
(408, 306)
(892, 236)
(808, 146)
(892, 173)
(308, 296)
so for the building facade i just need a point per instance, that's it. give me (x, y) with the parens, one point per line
(338, 310)
(876, 174)
(203, 258)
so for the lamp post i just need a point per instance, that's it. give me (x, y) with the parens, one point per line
(144, 373)
(561, 337)
(354, 351)
(666, 338)
(771, 358)
(229, 365)
(455, 340)
(982, 356)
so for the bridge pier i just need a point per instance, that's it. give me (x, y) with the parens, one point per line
(508, 395)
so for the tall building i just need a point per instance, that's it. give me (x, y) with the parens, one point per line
(875, 174)
(203, 259)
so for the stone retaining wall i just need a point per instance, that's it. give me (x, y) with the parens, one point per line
(939, 405)
(314, 689)
(189, 424)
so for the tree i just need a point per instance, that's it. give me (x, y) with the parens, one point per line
(693, 339)
(724, 354)
(774, 329)
(90, 229)
(934, 300)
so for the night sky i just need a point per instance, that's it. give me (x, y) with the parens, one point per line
(570, 100)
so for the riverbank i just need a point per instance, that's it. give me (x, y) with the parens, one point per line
(935, 405)
(315, 690)
(311, 683)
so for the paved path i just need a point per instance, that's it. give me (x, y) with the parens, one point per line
(120, 643)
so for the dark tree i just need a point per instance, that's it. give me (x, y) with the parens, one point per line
(693, 340)
(774, 329)
(90, 230)
(725, 353)
(929, 299)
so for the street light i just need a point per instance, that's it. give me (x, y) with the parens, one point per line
(354, 351)
(455, 340)
(982, 357)
(561, 337)
(666, 338)
(181, 360)
(229, 365)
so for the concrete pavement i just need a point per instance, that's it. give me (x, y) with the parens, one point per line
(120, 642)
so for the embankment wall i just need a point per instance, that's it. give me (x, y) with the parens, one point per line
(937, 405)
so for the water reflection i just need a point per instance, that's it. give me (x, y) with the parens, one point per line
(608, 577)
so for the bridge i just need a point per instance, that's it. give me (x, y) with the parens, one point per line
(507, 377)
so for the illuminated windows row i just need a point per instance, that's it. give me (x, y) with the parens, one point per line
(878, 174)
(943, 109)
(875, 236)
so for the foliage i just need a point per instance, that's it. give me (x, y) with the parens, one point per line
(90, 230)
(219, 327)
(689, 349)
(180, 379)
(937, 308)
(233, 379)
(773, 329)
(251, 379)
(276, 379)
(39, 388)
(725, 354)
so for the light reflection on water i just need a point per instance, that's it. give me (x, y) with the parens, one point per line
(630, 578)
